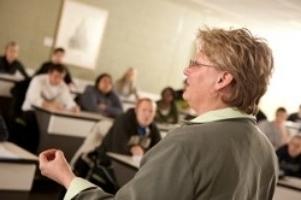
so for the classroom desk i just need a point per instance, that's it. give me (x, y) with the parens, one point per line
(290, 182)
(6, 83)
(283, 193)
(288, 188)
(125, 167)
(64, 130)
(17, 168)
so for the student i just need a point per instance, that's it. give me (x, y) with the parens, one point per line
(126, 85)
(101, 98)
(260, 116)
(48, 91)
(57, 57)
(275, 130)
(134, 132)
(9, 63)
(221, 154)
(296, 116)
(167, 111)
(289, 157)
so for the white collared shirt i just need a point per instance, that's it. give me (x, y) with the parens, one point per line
(40, 89)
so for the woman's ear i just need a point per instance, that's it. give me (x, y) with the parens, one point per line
(223, 80)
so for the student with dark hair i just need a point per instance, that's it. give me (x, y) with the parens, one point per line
(296, 116)
(57, 57)
(167, 111)
(289, 157)
(48, 91)
(260, 116)
(9, 63)
(101, 98)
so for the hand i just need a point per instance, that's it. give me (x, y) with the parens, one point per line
(137, 150)
(102, 106)
(54, 166)
(75, 109)
(53, 105)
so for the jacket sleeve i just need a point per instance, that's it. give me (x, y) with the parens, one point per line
(21, 69)
(156, 137)
(68, 77)
(88, 100)
(118, 137)
(165, 173)
(116, 108)
(33, 94)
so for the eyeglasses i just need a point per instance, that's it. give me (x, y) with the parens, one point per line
(194, 63)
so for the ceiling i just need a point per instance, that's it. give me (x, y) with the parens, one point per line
(258, 12)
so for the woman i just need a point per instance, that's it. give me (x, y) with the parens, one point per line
(125, 86)
(101, 98)
(167, 110)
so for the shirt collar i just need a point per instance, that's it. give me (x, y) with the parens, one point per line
(221, 114)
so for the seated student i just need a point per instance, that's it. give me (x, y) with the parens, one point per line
(289, 157)
(295, 117)
(167, 111)
(48, 91)
(260, 116)
(125, 86)
(56, 58)
(276, 130)
(100, 98)
(134, 132)
(9, 64)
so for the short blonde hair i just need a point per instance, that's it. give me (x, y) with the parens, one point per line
(149, 100)
(246, 57)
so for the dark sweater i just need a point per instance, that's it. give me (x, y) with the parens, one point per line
(289, 165)
(12, 68)
(92, 97)
(124, 128)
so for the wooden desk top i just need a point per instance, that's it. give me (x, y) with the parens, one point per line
(10, 78)
(9, 152)
(290, 182)
(81, 115)
(131, 161)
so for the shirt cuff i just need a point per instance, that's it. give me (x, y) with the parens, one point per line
(77, 185)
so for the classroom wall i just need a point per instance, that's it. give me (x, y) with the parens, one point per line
(154, 36)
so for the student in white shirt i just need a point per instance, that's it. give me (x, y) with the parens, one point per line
(48, 91)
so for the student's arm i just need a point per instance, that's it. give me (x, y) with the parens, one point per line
(21, 69)
(67, 98)
(34, 91)
(89, 100)
(116, 108)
